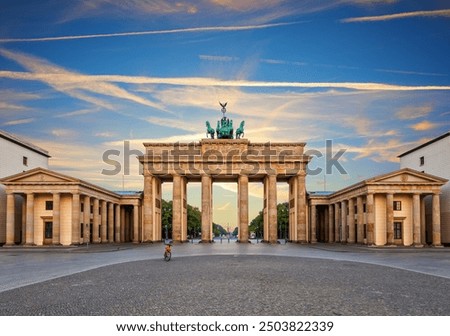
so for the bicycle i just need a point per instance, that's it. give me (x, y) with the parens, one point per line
(168, 252)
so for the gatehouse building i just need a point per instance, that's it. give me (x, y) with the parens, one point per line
(44, 207)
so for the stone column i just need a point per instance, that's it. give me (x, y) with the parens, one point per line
(436, 221)
(148, 205)
(360, 219)
(56, 218)
(177, 208)
(10, 219)
(243, 208)
(23, 222)
(416, 221)
(95, 221)
(344, 221)
(111, 222)
(422, 222)
(390, 219)
(135, 223)
(104, 225)
(117, 224)
(301, 207)
(326, 221)
(313, 223)
(87, 219)
(123, 224)
(351, 221)
(206, 208)
(76, 230)
(331, 223)
(30, 220)
(337, 221)
(272, 208)
(370, 219)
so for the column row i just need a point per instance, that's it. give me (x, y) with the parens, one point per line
(377, 219)
(152, 219)
(63, 221)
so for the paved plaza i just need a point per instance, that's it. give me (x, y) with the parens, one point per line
(225, 279)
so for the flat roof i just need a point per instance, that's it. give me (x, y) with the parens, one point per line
(18, 141)
(426, 144)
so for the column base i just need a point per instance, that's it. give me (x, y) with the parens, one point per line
(418, 245)
(438, 246)
(9, 245)
(29, 244)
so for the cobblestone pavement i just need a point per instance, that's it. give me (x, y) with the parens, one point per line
(224, 279)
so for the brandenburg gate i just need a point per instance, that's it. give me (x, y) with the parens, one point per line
(224, 160)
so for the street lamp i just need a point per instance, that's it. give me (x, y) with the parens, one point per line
(167, 233)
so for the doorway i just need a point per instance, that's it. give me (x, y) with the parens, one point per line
(48, 232)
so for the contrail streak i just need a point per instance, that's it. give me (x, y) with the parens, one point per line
(442, 12)
(209, 82)
(148, 32)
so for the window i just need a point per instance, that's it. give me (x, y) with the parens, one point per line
(48, 205)
(25, 161)
(397, 205)
(397, 230)
(422, 160)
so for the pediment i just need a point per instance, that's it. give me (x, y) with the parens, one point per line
(39, 175)
(406, 176)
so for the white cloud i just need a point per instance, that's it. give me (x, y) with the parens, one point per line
(19, 121)
(217, 58)
(79, 112)
(148, 32)
(414, 112)
(433, 13)
(424, 126)
(172, 123)
(63, 133)
(76, 85)
(223, 207)
(9, 106)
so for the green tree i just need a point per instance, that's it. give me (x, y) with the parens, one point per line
(166, 218)
(283, 220)
(219, 230)
(194, 222)
(257, 224)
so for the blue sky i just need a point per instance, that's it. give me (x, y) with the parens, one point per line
(81, 77)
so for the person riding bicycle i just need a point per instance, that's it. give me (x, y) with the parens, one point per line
(168, 249)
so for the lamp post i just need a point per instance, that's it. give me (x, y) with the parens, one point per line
(167, 233)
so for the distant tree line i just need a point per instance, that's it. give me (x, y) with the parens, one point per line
(194, 222)
(257, 224)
